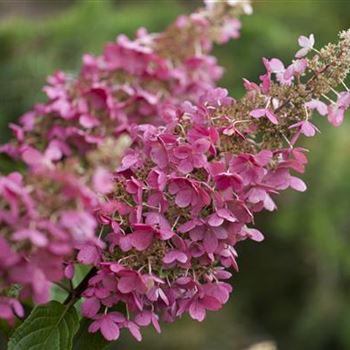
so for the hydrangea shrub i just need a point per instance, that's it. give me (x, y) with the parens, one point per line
(145, 172)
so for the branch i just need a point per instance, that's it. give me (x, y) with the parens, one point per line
(76, 293)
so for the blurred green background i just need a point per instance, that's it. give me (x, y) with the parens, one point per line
(294, 288)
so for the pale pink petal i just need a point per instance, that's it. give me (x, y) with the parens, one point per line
(215, 220)
(320, 106)
(258, 113)
(271, 116)
(197, 311)
(308, 129)
(297, 184)
(254, 234)
(276, 65)
(303, 41)
(335, 115)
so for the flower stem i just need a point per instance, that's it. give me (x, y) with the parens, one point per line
(76, 293)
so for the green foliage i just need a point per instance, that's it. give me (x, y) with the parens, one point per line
(50, 326)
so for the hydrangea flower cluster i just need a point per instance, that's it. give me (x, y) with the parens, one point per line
(72, 143)
(171, 209)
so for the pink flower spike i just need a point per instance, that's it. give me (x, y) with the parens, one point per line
(306, 44)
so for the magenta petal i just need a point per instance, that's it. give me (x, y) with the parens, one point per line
(186, 166)
(127, 284)
(109, 329)
(211, 303)
(210, 241)
(141, 240)
(187, 226)
(182, 152)
(94, 327)
(17, 307)
(201, 146)
(144, 318)
(117, 317)
(159, 155)
(183, 198)
(88, 254)
(156, 323)
(222, 181)
(174, 255)
(224, 213)
(90, 307)
(134, 330)
(214, 220)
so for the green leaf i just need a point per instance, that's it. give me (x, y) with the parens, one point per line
(84, 340)
(48, 327)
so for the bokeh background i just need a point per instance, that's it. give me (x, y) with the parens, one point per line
(294, 288)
